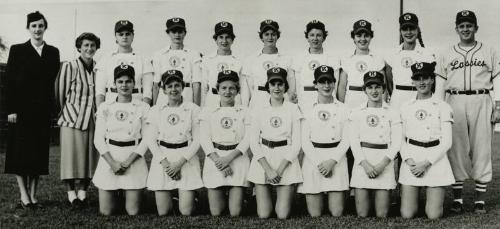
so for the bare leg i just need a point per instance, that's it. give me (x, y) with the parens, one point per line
(264, 200)
(363, 204)
(314, 204)
(23, 189)
(382, 202)
(133, 201)
(164, 204)
(107, 202)
(434, 203)
(236, 200)
(217, 201)
(336, 203)
(33, 184)
(409, 201)
(186, 202)
(284, 197)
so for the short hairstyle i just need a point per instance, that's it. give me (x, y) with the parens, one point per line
(35, 16)
(237, 85)
(170, 80)
(371, 33)
(176, 29)
(230, 34)
(383, 85)
(87, 36)
(278, 33)
(131, 77)
(286, 85)
(325, 33)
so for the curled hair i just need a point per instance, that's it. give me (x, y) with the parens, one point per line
(230, 34)
(163, 83)
(236, 83)
(371, 33)
(89, 37)
(286, 86)
(278, 33)
(419, 37)
(325, 33)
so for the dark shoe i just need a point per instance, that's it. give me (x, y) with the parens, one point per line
(27, 206)
(457, 207)
(37, 206)
(479, 208)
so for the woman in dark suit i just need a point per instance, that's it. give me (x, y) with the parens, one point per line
(31, 70)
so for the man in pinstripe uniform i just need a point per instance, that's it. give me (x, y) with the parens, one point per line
(468, 73)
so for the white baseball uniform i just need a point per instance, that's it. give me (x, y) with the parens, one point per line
(466, 70)
(356, 66)
(211, 66)
(105, 74)
(400, 61)
(185, 60)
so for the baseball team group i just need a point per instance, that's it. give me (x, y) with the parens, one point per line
(337, 130)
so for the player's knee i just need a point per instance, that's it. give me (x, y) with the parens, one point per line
(216, 211)
(434, 213)
(337, 211)
(382, 213)
(362, 212)
(186, 210)
(282, 214)
(132, 210)
(407, 213)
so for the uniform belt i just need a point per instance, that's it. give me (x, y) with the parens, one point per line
(123, 144)
(325, 145)
(310, 88)
(469, 92)
(214, 91)
(134, 91)
(406, 88)
(374, 146)
(173, 145)
(272, 144)
(186, 84)
(261, 88)
(355, 88)
(224, 147)
(423, 144)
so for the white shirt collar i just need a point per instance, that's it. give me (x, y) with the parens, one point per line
(39, 48)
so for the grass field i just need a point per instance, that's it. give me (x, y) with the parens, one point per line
(58, 214)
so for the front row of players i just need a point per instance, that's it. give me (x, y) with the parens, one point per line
(275, 133)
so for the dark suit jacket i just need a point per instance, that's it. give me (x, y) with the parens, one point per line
(30, 94)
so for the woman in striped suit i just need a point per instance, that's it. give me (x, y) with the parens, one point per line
(75, 96)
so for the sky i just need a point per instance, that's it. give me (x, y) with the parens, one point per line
(67, 19)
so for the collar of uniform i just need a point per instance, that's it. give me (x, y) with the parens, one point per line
(268, 103)
(116, 52)
(134, 102)
(181, 106)
(354, 53)
(385, 105)
(418, 48)
(335, 102)
(432, 100)
(168, 49)
(261, 53)
(218, 107)
(214, 54)
(39, 47)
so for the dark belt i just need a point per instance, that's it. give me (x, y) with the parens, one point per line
(325, 145)
(272, 144)
(261, 88)
(134, 91)
(469, 92)
(310, 88)
(374, 146)
(224, 147)
(423, 144)
(187, 84)
(173, 145)
(214, 91)
(406, 88)
(355, 88)
(123, 144)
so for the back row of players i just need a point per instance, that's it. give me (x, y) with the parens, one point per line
(467, 72)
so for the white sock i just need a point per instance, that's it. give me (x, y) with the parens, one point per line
(71, 195)
(461, 201)
(82, 194)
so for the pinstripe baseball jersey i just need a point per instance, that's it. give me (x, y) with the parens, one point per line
(468, 69)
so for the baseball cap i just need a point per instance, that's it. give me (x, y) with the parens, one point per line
(176, 22)
(315, 24)
(372, 77)
(466, 16)
(268, 23)
(422, 69)
(124, 25)
(223, 27)
(124, 70)
(408, 19)
(276, 73)
(362, 25)
(323, 71)
(170, 75)
(227, 75)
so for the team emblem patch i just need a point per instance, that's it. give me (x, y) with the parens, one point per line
(268, 21)
(175, 19)
(223, 24)
(372, 120)
(222, 67)
(324, 115)
(123, 66)
(362, 23)
(406, 62)
(407, 17)
(420, 114)
(276, 70)
(314, 21)
(226, 122)
(419, 66)
(324, 69)
(121, 115)
(123, 22)
(174, 61)
(361, 66)
(173, 119)
(275, 121)
(465, 13)
(267, 65)
(313, 64)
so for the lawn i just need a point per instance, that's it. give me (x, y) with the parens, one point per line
(58, 214)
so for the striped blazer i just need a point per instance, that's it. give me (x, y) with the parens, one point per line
(75, 91)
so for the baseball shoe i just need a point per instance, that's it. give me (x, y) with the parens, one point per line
(479, 208)
(457, 207)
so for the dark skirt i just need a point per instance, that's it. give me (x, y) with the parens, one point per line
(28, 143)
